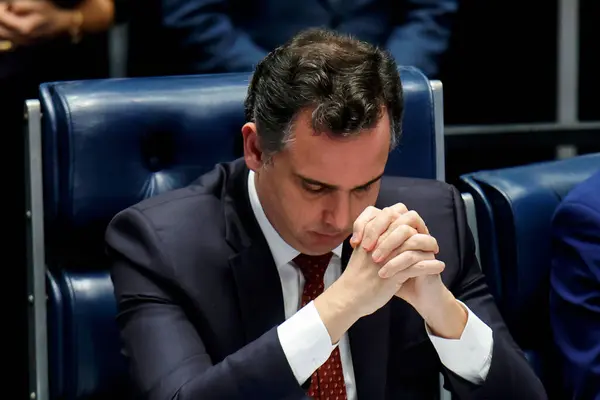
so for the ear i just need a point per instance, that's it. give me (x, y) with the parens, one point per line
(252, 151)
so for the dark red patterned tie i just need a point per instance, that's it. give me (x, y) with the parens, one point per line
(328, 380)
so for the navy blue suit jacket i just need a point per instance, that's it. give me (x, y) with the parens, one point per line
(205, 36)
(200, 300)
(575, 288)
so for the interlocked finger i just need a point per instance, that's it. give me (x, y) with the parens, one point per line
(422, 268)
(363, 219)
(376, 227)
(390, 242)
(420, 242)
(403, 261)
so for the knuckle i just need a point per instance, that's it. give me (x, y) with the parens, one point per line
(369, 227)
(406, 231)
(382, 253)
(412, 257)
(400, 207)
(413, 216)
(388, 212)
(419, 241)
(369, 236)
(370, 210)
(383, 243)
(396, 224)
(363, 217)
(427, 242)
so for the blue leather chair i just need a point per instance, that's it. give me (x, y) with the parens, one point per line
(97, 147)
(514, 208)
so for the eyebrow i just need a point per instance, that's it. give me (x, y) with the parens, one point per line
(335, 187)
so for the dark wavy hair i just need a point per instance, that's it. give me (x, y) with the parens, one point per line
(346, 82)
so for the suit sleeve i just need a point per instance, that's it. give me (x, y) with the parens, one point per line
(207, 38)
(575, 297)
(422, 34)
(168, 358)
(510, 376)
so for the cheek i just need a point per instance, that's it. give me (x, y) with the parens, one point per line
(296, 206)
(304, 212)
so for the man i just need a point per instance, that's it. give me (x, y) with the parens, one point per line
(575, 288)
(208, 36)
(247, 284)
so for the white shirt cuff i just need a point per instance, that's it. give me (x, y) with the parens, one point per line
(470, 357)
(305, 342)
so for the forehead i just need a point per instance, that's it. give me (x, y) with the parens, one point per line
(344, 162)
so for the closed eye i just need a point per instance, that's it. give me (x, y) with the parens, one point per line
(314, 188)
(363, 189)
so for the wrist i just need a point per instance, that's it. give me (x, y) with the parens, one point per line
(336, 311)
(63, 22)
(70, 23)
(445, 316)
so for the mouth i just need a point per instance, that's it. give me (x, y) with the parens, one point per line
(330, 236)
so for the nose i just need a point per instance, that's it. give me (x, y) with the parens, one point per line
(337, 211)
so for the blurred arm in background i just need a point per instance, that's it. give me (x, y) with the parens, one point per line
(575, 289)
(423, 33)
(26, 22)
(207, 38)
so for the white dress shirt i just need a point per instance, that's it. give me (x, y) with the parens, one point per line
(306, 342)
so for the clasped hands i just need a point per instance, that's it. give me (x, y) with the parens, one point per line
(394, 252)
(24, 22)
(394, 255)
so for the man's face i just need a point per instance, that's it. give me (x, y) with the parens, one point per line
(316, 187)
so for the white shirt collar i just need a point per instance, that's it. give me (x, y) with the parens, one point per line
(282, 252)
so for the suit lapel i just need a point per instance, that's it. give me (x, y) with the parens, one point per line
(369, 345)
(259, 290)
(256, 277)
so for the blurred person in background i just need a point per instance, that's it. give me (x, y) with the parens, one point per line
(43, 41)
(40, 41)
(575, 289)
(208, 36)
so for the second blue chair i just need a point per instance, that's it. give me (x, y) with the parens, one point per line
(514, 209)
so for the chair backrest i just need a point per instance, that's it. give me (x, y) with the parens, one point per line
(514, 212)
(107, 144)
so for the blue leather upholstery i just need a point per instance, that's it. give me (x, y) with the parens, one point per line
(488, 248)
(108, 144)
(416, 155)
(514, 209)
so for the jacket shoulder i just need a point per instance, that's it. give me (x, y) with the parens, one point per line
(179, 219)
(415, 192)
(586, 193)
